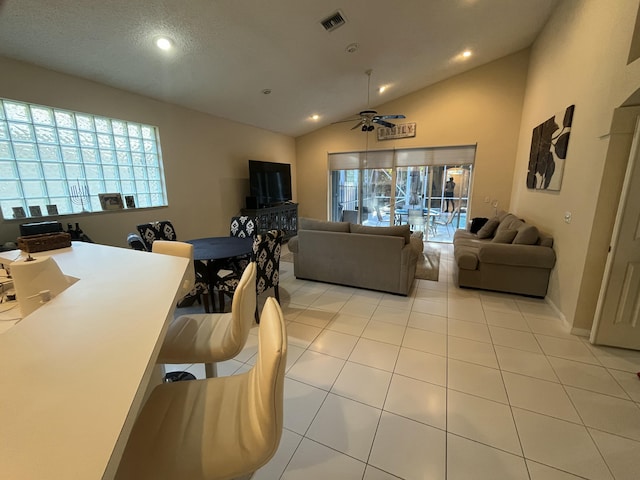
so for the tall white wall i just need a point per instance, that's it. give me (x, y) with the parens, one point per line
(579, 59)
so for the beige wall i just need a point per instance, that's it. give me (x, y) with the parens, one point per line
(482, 106)
(580, 58)
(205, 157)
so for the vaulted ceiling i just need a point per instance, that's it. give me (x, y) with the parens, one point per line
(227, 53)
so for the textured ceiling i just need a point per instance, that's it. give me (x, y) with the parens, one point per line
(227, 51)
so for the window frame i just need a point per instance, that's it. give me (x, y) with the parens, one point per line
(57, 162)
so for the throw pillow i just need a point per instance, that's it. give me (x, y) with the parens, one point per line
(505, 236)
(397, 231)
(527, 235)
(313, 224)
(477, 223)
(488, 229)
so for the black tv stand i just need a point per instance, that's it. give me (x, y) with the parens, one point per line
(280, 217)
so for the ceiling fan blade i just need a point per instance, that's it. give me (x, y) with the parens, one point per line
(384, 123)
(390, 116)
(358, 125)
(352, 119)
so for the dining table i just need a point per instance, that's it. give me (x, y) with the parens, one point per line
(214, 254)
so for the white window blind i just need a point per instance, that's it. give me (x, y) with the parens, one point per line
(455, 155)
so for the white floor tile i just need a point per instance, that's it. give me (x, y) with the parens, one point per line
(476, 380)
(540, 396)
(525, 363)
(482, 420)
(335, 344)
(426, 321)
(517, 339)
(469, 330)
(384, 332)
(375, 354)
(430, 307)
(301, 404)
(372, 473)
(537, 471)
(316, 369)
(301, 335)
(622, 455)
(617, 358)
(315, 317)
(613, 415)
(422, 366)
(358, 307)
(408, 449)
(288, 444)
(391, 315)
(569, 349)
(313, 461)
(588, 377)
(470, 310)
(563, 445)
(629, 382)
(348, 323)
(471, 351)
(346, 426)
(363, 384)
(330, 301)
(250, 348)
(467, 459)
(417, 400)
(431, 295)
(513, 320)
(293, 354)
(396, 302)
(425, 341)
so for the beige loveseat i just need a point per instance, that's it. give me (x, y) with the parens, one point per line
(506, 255)
(377, 258)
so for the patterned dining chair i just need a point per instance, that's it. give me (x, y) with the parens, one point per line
(242, 227)
(164, 230)
(266, 253)
(161, 230)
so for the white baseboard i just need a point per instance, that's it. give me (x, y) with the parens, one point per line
(580, 332)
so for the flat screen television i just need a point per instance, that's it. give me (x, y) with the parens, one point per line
(269, 182)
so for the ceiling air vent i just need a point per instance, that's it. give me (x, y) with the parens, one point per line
(334, 21)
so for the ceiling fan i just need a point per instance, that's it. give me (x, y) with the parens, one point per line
(367, 119)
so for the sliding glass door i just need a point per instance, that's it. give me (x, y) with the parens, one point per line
(425, 188)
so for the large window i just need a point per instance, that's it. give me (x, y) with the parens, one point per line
(427, 188)
(57, 162)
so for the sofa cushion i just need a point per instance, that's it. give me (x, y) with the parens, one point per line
(397, 231)
(527, 235)
(509, 222)
(505, 236)
(489, 228)
(313, 224)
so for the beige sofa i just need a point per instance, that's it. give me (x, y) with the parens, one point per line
(506, 255)
(376, 258)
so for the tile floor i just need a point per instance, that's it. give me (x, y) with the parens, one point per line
(445, 384)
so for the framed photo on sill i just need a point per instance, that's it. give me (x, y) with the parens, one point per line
(111, 201)
(35, 211)
(130, 200)
(18, 212)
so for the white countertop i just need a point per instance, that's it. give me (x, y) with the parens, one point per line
(73, 373)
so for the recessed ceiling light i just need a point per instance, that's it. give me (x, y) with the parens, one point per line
(266, 91)
(352, 48)
(315, 117)
(466, 53)
(164, 43)
(382, 89)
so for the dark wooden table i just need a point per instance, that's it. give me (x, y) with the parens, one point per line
(213, 249)
(214, 253)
